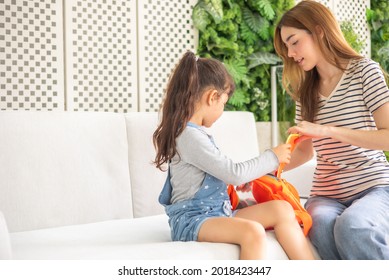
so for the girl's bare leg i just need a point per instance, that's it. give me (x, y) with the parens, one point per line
(250, 235)
(279, 214)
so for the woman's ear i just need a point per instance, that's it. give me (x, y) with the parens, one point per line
(319, 32)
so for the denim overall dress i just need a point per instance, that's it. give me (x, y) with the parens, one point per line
(186, 217)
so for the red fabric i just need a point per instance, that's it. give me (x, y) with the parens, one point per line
(234, 198)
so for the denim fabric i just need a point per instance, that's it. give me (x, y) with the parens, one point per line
(186, 217)
(352, 230)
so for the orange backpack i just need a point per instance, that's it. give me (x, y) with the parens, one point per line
(270, 187)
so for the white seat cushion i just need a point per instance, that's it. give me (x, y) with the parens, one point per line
(141, 238)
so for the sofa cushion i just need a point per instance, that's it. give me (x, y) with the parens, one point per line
(142, 238)
(146, 179)
(63, 168)
(5, 244)
(236, 136)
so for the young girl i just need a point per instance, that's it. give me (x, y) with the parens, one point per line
(195, 193)
(342, 109)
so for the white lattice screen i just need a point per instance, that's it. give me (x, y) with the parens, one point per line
(102, 55)
(94, 55)
(31, 55)
(355, 11)
(101, 58)
(165, 33)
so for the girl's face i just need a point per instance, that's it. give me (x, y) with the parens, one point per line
(301, 47)
(215, 110)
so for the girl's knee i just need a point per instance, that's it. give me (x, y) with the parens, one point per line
(253, 232)
(252, 240)
(283, 210)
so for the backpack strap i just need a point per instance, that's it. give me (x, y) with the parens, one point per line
(304, 219)
(292, 141)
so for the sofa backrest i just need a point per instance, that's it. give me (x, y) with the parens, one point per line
(234, 133)
(146, 179)
(63, 168)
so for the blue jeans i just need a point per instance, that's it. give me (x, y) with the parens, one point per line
(351, 230)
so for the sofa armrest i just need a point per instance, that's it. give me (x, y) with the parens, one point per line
(5, 243)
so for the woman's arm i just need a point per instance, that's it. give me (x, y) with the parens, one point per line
(302, 153)
(368, 139)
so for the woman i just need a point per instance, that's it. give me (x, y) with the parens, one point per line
(342, 113)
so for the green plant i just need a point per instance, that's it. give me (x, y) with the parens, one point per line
(240, 33)
(351, 37)
(378, 21)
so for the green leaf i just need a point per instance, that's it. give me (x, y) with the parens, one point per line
(222, 46)
(384, 52)
(205, 8)
(259, 58)
(369, 14)
(253, 20)
(237, 68)
(239, 98)
(247, 34)
(200, 17)
(256, 23)
(266, 8)
(214, 8)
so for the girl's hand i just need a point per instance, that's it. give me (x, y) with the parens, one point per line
(245, 187)
(283, 153)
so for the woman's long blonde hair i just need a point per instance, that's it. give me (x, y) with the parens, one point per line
(303, 85)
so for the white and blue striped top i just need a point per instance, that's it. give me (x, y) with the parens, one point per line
(345, 170)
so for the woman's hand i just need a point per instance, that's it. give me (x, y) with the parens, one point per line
(308, 130)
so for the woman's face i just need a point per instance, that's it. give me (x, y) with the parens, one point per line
(301, 47)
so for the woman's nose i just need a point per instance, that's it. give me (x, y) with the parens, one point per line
(291, 52)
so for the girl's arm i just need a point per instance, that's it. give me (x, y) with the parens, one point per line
(302, 153)
(368, 139)
(195, 148)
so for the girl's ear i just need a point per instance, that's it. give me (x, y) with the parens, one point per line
(212, 96)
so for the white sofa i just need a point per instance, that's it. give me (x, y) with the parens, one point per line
(80, 185)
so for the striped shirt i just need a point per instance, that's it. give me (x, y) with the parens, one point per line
(344, 170)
